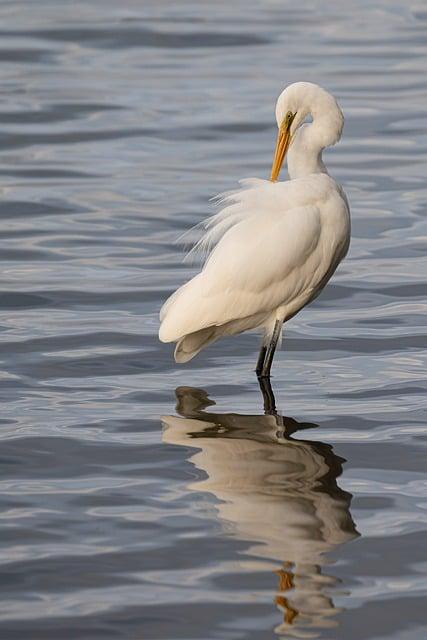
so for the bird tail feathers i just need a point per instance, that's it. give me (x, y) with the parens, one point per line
(190, 345)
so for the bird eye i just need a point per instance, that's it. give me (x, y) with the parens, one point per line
(288, 119)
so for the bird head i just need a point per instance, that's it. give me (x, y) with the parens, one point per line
(294, 104)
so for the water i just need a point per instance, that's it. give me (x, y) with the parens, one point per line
(121, 515)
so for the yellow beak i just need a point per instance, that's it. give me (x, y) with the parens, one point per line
(282, 145)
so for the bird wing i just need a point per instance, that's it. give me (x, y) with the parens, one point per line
(269, 255)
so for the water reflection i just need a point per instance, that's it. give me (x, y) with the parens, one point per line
(278, 493)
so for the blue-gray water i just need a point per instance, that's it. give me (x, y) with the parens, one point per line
(123, 516)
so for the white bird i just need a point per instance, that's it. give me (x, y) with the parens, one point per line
(274, 245)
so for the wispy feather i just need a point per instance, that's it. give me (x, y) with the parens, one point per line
(233, 211)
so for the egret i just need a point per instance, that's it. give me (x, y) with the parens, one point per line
(274, 245)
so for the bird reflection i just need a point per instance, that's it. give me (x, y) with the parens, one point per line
(277, 493)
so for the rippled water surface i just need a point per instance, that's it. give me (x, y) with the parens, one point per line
(140, 499)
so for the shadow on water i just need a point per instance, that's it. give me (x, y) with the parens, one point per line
(277, 493)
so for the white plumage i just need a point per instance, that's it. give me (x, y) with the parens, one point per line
(274, 245)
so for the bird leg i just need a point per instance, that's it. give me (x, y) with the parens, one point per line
(267, 352)
(261, 358)
(268, 396)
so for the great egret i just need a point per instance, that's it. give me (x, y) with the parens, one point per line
(274, 245)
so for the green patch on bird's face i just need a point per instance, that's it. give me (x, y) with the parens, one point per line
(288, 120)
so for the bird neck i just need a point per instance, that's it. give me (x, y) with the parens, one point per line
(305, 152)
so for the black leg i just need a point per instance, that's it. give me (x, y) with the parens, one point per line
(271, 348)
(261, 358)
(268, 395)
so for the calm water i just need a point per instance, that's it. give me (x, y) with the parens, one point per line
(140, 499)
